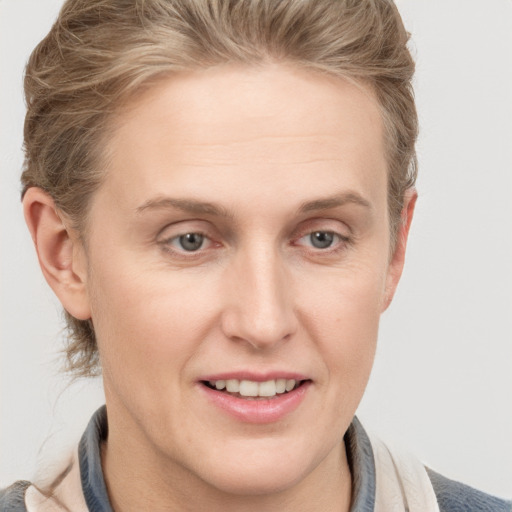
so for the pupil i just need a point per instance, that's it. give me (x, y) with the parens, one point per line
(321, 239)
(191, 241)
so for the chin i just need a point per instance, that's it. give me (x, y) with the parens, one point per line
(255, 482)
(259, 470)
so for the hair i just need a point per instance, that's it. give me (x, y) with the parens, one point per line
(99, 53)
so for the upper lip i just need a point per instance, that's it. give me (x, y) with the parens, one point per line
(254, 376)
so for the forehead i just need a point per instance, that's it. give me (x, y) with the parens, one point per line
(273, 123)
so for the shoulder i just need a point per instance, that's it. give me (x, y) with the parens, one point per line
(12, 499)
(454, 496)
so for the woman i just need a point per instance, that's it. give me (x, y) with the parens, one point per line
(220, 195)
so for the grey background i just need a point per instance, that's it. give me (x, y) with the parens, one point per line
(442, 382)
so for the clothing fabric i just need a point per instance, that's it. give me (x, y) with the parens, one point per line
(383, 480)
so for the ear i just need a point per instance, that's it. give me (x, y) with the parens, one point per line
(396, 264)
(60, 252)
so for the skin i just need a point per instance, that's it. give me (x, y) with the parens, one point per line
(259, 144)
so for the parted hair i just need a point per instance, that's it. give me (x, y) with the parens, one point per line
(101, 52)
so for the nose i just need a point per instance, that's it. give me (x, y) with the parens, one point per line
(259, 309)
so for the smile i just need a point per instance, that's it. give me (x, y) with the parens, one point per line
(258, 401)
(253, 389)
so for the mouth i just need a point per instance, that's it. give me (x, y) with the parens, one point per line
(256, 399)
(254, 390)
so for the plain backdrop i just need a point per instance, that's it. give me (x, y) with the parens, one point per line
(442, 382)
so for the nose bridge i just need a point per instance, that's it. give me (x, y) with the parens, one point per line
(261, 307)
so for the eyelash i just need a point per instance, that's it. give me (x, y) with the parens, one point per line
(183, 253)
(338, 245)
(341, 244)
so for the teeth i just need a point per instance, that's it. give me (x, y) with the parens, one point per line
(248, 388)
(267, 388)
(233, 385)
(252, 388)
(280, 385)
(290, 384)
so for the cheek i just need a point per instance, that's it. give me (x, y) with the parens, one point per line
(347, 300)
(147, 323)
(343, 312)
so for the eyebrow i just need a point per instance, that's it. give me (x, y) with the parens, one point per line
(200, 207)
(335, 201)
(186, 205)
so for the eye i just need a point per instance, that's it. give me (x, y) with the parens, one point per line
(321, 239)
(188, 242)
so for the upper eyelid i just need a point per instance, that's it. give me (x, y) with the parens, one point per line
(225, 234)
(169, 239)
(343, 239)
(183, 233)
(204, 252)
(323, 225)
(179, 231)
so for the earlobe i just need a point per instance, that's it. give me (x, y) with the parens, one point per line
(60, 254)
(397, 261)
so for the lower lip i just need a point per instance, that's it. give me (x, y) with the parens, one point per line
(260, 410)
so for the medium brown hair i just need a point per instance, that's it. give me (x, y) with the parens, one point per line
(100, 52)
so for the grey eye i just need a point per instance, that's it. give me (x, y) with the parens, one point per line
(321, 239)
(191, 241)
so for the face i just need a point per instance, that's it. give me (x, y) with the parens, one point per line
(240, 239)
